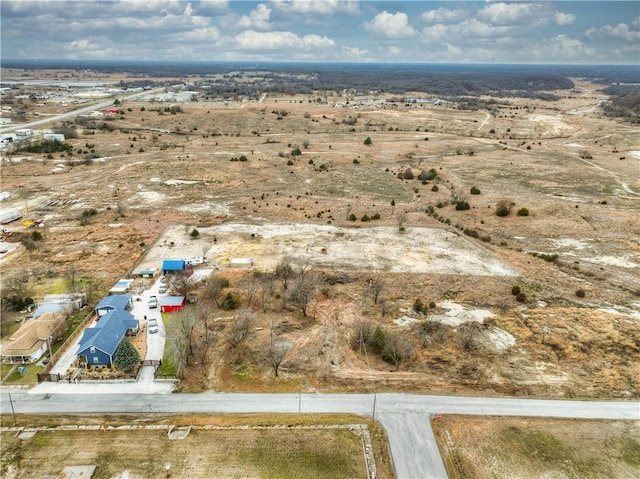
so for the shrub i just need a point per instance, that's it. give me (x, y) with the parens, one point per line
(462, 206)
(434, 188)
(515, 290)
(408, 174)
(296, 152)
(194, 233)
(419, 306)
(580, 293)
(230, 301)
(376, 216)
(36, 236)
(475, 190)
(368, 141)
(521, 297)
(379, 340)
(352, 217)
(503, 208)
(365, 218)
(523, 212)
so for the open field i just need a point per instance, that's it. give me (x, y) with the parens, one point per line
(228, 446)
(152, 177)
(477, 448)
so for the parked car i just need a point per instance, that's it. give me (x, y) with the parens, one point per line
(162, 289)
(153, 301)
(153, 326)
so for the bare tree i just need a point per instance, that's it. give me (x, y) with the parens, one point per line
(182, 284)
(284, 272)
(72, 276)
(276, 351)
(203, 311)
(361, 334)
(266, 281)
(401, 217)
(215, 286)
(397, 349)
(240, 329)
(387, 308)
(304, 289)
(468, 337)
(373, 288)
(185, 322)
(249, 286)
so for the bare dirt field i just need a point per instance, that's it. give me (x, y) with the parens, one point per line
(477, 448)
(133, 192)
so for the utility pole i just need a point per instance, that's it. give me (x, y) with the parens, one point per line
(13, 412)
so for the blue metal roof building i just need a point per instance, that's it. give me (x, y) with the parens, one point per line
(119, 302)
(173, 266)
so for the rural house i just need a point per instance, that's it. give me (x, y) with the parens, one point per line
(29, 343)
(116, 302)
(98, 345)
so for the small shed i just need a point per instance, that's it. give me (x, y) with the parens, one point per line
(241, 263)
(172, 304)
(121, 287)
(145, 272)
(117, 302)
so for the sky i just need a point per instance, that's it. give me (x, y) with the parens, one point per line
(544, 32)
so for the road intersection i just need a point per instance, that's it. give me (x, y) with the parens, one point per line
(406, 417)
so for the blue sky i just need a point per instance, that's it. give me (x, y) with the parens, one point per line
(562, 32)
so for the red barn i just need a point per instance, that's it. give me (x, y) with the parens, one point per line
(172, 304)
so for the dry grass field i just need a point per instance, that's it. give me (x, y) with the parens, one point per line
(478, 448)
(575, 257)
(156, 176)
(223, 446)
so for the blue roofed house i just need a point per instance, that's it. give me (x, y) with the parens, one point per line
(116, 302)
(98, 345)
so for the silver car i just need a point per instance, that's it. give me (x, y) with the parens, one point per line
(153, 326)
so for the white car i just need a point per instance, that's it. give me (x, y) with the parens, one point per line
(153, 326)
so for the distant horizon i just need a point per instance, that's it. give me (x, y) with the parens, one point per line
(4, 61)
(594, 32)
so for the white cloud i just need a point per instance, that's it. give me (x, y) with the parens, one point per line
(563, 19)
(507, 13)
(566, 47)
(319, 7)
(443, 15)
(620, 31)
(253, 40)
(257, 18)
(391, 25)
(211, 7)
(435, 32)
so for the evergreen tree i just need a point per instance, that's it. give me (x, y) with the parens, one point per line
(127, 356)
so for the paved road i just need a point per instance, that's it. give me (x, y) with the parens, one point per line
(406, 417)
(79, 111)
